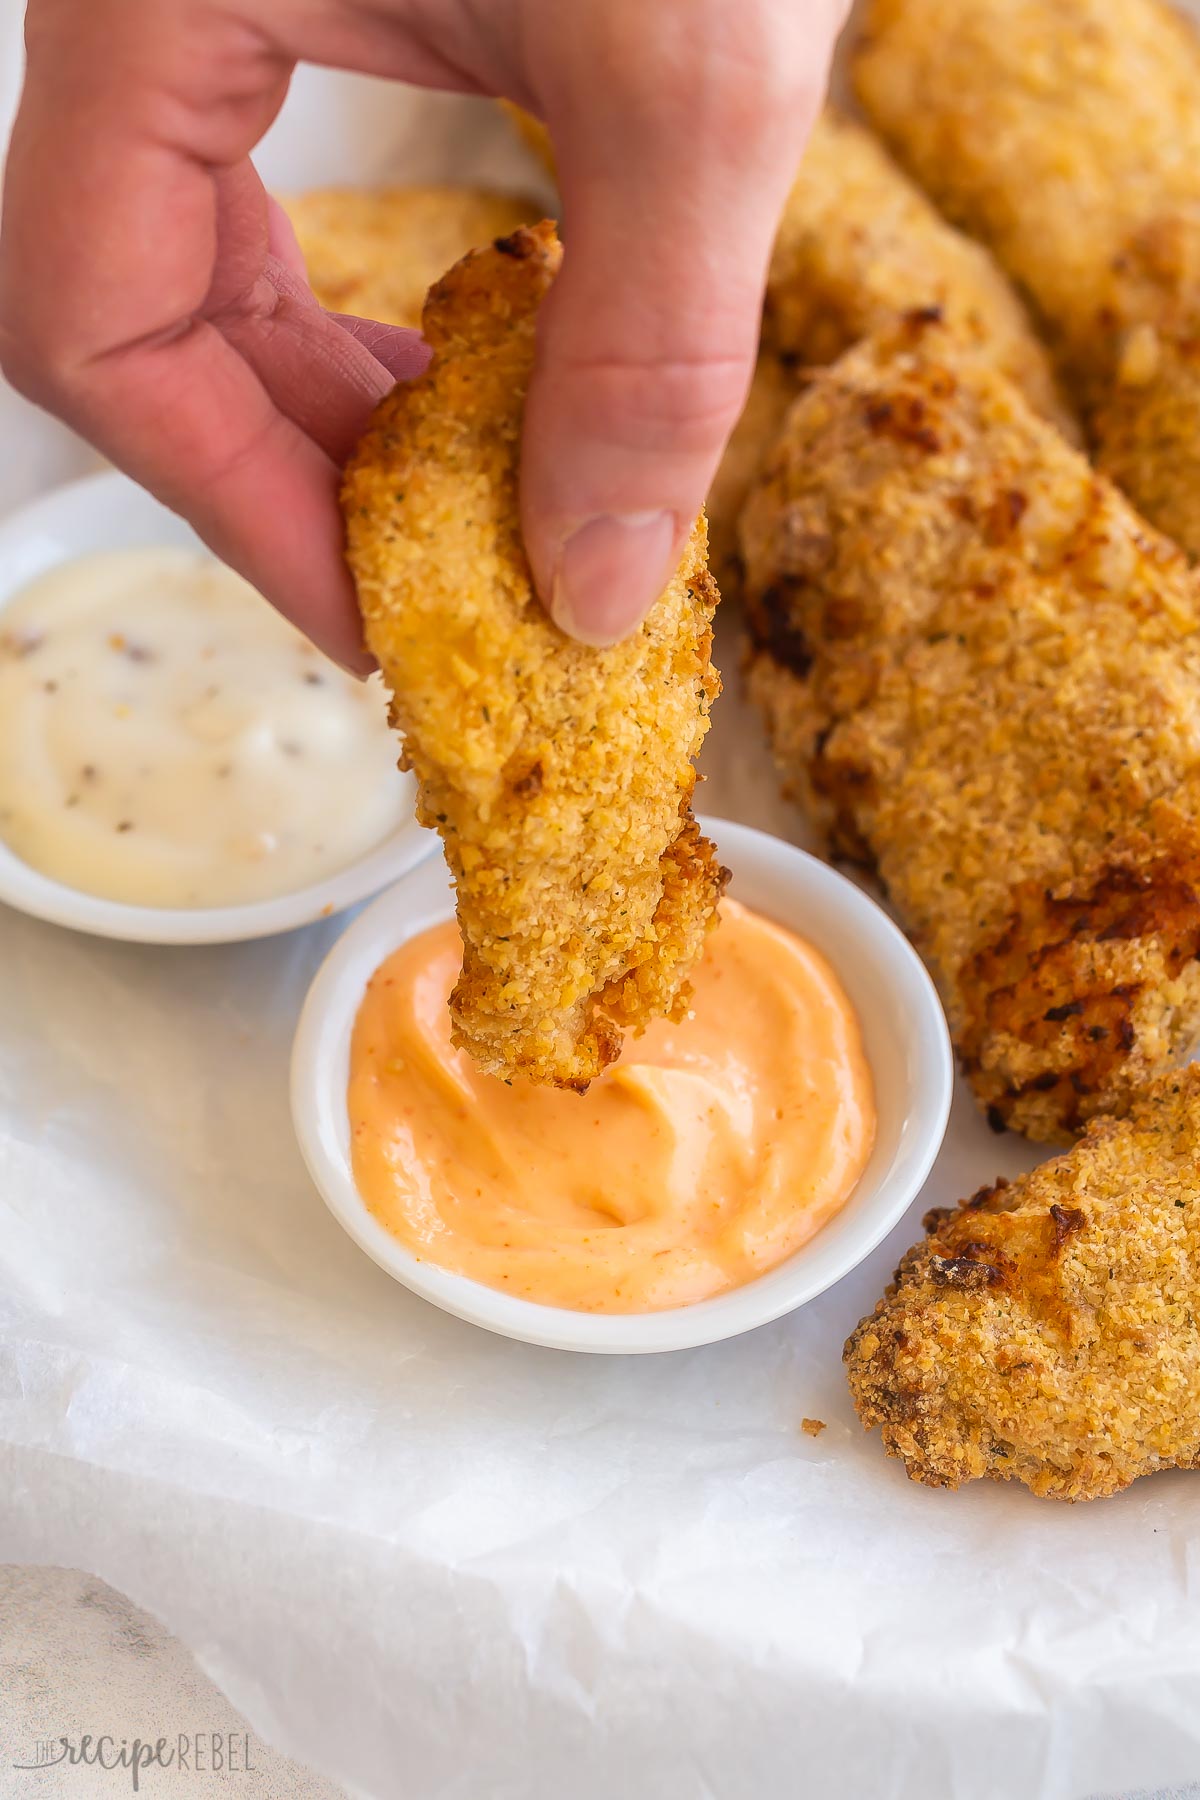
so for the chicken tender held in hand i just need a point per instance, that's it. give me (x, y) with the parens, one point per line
(1047, 1332)
(375, 252)
(558, 775)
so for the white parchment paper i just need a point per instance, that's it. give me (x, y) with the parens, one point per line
(434, 1563)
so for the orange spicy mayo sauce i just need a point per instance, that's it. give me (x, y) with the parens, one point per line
(710, 1152)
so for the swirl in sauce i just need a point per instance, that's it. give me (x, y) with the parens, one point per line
(709, 1153)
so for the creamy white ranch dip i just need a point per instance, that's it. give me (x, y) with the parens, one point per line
(166, 738)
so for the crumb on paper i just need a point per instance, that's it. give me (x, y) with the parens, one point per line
(812, 1427)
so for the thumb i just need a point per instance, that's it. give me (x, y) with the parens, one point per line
(673, 174)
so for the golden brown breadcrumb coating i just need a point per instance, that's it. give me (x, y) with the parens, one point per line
(982, 670)
(1047, 1331)
(1066, 134)
(859, 245)
(775, 385)
(1145, 419)
(559, 776)
(376, 252)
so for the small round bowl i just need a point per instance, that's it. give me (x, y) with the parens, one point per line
(110, 512)
(904, 1034)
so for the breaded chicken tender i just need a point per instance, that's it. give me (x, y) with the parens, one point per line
(1047, 1332)
(774, 387)
(1066, 134)
(559, 776)
(981, 670)
(859, 245)
(376, 252)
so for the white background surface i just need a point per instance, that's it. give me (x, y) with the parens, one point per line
(436, 1564)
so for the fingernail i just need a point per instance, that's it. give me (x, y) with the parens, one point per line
(610, 572)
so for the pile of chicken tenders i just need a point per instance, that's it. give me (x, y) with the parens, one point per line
(960, 515)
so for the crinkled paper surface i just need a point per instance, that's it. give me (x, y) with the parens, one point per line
(434, 1563)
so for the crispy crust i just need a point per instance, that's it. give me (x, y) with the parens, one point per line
(1065, 134)
(376, 252)
(1145, 418)
(981, 670)
(775, 385)
(559, 776)
(1046, 1332)
(859, 245)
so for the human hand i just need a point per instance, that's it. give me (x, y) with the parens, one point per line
(150, 295)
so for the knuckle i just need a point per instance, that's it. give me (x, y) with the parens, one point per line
(687, 404)
(734, 70)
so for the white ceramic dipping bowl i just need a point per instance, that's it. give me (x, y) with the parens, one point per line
(906, 1042)
(110, 512)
